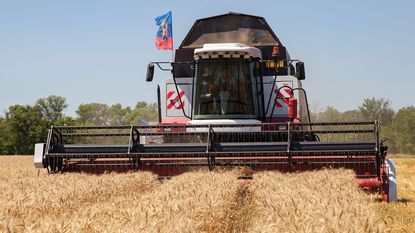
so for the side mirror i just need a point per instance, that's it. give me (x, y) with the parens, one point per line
(299, 66)
(150, 72)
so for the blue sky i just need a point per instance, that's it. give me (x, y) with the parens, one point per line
(97, 51)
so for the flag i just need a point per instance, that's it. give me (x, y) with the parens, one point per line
(164, 38)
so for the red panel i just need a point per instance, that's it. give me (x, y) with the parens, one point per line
(175, 120)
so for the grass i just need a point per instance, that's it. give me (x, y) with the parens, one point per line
(323, 201)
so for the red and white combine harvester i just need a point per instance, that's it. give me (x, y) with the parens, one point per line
(235, 98)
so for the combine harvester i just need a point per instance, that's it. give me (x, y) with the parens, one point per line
(235, 98)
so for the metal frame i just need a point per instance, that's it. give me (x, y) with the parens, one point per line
(170, 150)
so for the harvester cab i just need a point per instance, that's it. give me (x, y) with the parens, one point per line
(228, 84)
(235, 99)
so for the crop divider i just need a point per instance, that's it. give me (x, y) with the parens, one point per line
(210, 141)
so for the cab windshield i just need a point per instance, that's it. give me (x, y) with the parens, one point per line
(224, 89)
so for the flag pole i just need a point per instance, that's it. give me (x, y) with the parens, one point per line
(172, 44)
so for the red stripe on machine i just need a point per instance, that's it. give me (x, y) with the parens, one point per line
(288, 92)
(175, 100)
(169, 94)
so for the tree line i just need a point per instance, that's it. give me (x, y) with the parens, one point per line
(24, 125)
(397, 128)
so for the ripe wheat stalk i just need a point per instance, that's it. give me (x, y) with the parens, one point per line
(198, 201)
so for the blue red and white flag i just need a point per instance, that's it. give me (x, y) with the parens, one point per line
(164, 38)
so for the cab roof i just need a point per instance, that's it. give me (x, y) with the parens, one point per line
(230, 28)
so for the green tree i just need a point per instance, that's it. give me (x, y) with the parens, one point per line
(66, 120)
(331, 114)
(52, 107)
(93, 113)
(22, 127)
(402, 135)
(117, 114)
(377, 109)
(142, 111)
(102, 114)
(352, 115)
(2, 132)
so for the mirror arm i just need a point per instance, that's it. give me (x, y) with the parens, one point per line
(160, 67)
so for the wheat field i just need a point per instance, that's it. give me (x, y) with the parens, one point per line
(199, 201)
